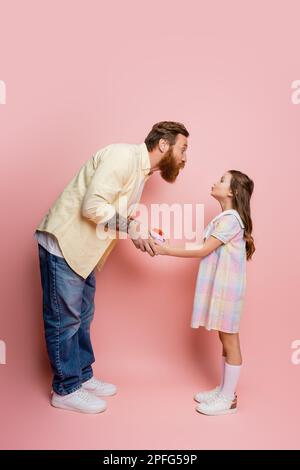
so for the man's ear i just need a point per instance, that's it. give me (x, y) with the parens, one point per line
(163, 145)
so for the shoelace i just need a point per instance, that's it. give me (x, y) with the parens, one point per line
(93, 381)
(83, 394)
(213, 398)
(219, 396)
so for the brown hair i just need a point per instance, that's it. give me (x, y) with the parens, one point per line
(164, 130)
(242, 188)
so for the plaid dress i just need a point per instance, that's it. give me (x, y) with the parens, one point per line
(221, 280)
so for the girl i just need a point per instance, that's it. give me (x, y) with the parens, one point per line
(221, 283)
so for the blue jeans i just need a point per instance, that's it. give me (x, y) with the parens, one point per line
(68, 309)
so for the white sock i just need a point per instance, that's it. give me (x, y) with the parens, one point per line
(231, 377)
(222, 371)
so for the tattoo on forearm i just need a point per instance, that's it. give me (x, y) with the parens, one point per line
(118, 223)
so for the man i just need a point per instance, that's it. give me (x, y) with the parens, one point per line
(70, 250)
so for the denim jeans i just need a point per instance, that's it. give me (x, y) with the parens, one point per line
(68, 309)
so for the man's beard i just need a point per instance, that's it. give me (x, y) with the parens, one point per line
(169, 168)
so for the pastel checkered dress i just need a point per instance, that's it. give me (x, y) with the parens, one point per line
(221, 281)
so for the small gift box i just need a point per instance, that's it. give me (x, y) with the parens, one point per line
(158, 235)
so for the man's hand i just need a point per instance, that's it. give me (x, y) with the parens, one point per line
(162, 249)
(141, 238)
(146, 245)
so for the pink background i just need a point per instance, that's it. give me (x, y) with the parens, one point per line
(83, 74)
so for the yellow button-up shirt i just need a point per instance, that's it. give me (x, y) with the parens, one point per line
(112, 175)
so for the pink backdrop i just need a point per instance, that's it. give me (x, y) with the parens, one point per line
(80, 75)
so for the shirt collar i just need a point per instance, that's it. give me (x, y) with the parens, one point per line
(145, 160)
(234, 212)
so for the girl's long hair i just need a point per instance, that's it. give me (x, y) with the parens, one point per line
(242, 188)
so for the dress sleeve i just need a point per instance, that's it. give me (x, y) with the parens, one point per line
(226, 228)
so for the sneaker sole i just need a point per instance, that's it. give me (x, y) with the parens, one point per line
(102, 394)
(218, 413)
(70, 408)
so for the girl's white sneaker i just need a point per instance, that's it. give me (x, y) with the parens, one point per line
(201, 397)
(80, 400)
(219, 405)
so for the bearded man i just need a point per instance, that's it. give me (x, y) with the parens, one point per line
(72, 245)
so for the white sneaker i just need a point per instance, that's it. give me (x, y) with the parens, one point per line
(201, 397)
(219, 405)
(80, 400)
(98, 388)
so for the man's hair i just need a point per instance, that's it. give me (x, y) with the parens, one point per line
(164, 130)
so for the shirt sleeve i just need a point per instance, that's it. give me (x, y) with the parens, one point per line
(112, 173)
(226, 228)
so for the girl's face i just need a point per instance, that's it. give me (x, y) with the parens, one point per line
(221, 190)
